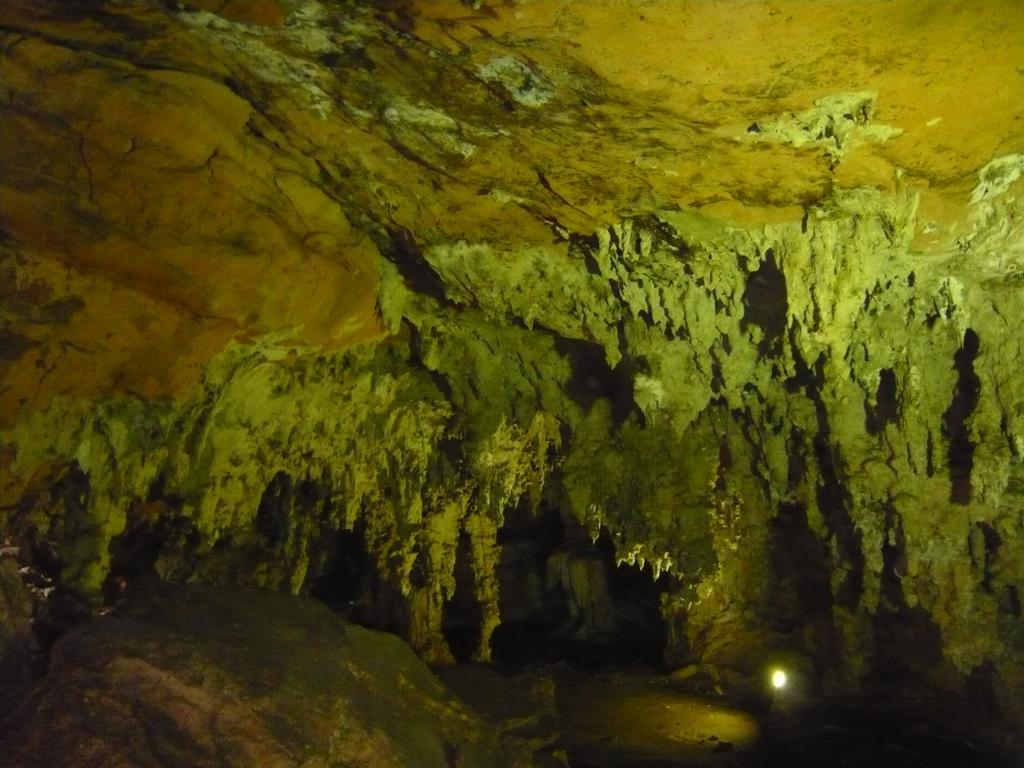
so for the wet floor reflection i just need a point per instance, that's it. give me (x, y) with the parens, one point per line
(640, 721)
(633, 721)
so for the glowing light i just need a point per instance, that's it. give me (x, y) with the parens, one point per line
(779, 679)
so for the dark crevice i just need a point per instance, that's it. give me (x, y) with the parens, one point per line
(152, 527)
(134, 58)
(546, 184)
(462, 616)
(907, 640)
(1004, 430)
(816, 319)
(158, 491)
(800, 565)
(583, 247)
(766, 305)
(717, 378)
(341, 585)
(758, 460)
(832, 496)
(14, 345)
(403, 251)
(274, 509)
(893, 560)
(955, 427)
(347, 58)
(886, 409)
(412, 157)
(592, 379)
(1010, 602)
(797, 459)
(725, 462)
(985, 544)
(352, 584)
(417, 359)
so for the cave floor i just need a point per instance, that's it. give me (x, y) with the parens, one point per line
(642, 720)
(634, 720)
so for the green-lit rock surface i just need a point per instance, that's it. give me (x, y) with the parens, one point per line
(318, 297)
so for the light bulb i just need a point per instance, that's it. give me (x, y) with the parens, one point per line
(779, 679)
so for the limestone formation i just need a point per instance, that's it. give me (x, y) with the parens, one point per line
(734, 286)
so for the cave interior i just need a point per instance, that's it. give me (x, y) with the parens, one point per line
(500, 383)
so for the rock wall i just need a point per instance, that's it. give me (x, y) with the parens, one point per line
(275, 271)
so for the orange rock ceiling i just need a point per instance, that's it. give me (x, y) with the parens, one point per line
(172, 181)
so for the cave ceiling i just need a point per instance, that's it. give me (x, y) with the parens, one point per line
(194, 173)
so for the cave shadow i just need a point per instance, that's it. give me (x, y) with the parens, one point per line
(564, 598)
(352, 585)
(462, 616)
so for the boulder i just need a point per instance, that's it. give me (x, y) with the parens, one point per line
(203, 676)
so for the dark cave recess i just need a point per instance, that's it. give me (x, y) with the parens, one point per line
(563, 597)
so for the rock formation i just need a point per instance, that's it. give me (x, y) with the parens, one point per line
(731, 285)
(208, 677)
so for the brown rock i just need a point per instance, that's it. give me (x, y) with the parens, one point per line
(206, 677)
